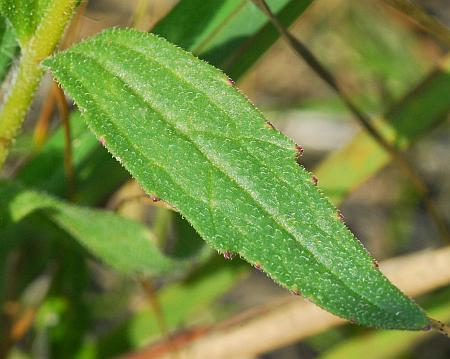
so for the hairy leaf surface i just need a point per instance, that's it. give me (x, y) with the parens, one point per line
(125, 245)
(193, 140)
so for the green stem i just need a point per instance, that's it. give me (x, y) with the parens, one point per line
(29, 73)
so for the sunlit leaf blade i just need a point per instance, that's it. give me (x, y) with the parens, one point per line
(230, 34)
(24, 15)
(90, 163)
(125, 245)
(192, 139)
(196, 21)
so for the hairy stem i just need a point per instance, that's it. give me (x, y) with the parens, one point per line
(29, 71)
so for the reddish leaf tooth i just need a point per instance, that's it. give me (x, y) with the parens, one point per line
(257, 266)
(314, 180)
(102, 141)
(299, 150)
(155, 198)
(228, 255)
(295, 292)
(376, 264)
(340, 216)
(231, 82)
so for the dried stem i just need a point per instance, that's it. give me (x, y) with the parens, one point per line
(63, 110)
(41, 127)
(362, 118)
(440, 327)
(277, 325)
(152, 296)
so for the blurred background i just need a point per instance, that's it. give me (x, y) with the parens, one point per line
(379, 55)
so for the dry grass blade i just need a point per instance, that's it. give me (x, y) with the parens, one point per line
(281, 325)
(420, 17)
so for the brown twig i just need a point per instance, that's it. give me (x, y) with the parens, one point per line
(296, 319)
(421, 18)
(364, 120)
(151, 294)
(160, 348)
(16, 327)
(18, 315)
(63, 110)
(41, 127)
(72, 31)
(22, 324)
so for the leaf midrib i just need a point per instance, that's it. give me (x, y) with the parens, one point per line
(212, 102)
(280, 224)
(225, 113)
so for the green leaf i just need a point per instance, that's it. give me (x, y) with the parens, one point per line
(8, 47)
(123, 244)
(193, 140)
(24, 15)
(93, 166)
(230, 34)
